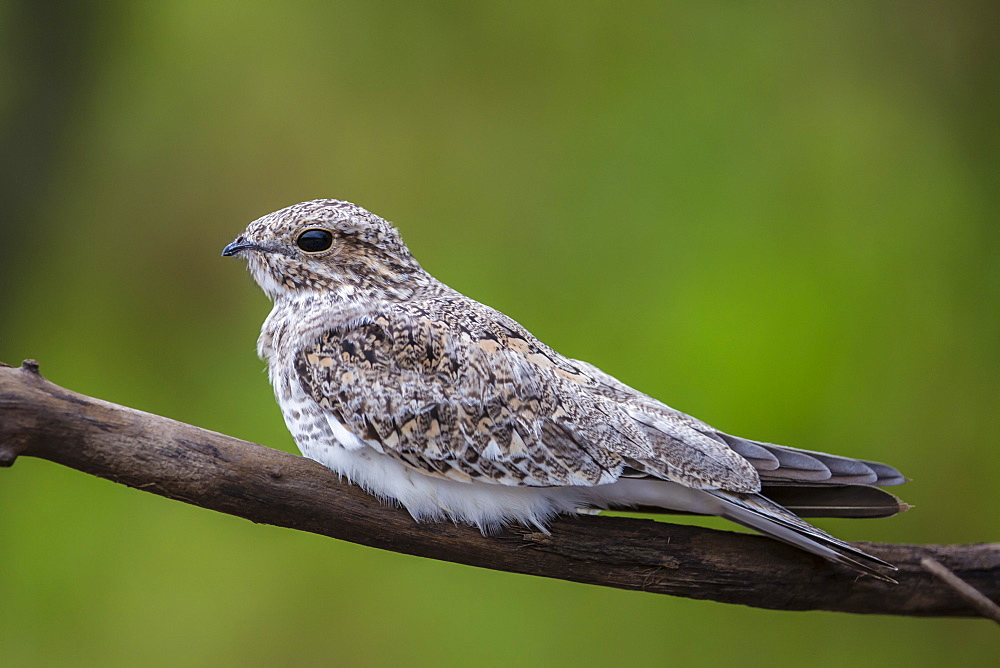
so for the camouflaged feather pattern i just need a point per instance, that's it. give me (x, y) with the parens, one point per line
(456, 389)
(429, 398)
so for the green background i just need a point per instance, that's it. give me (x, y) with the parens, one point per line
(779, 217)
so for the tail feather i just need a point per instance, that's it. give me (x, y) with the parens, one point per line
(780, 463)
(751, 510)
(761, 514)
(835, 500)
(803, 482)
(818, 500)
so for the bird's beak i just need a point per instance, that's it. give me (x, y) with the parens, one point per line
(238, 245)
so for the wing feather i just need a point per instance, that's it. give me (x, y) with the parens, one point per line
(454, 388)
(469, 402)
(774, 464)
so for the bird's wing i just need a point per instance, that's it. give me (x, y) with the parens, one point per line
(456, 389)
(775, 464)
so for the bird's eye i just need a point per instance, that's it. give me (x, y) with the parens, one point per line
(315, 240)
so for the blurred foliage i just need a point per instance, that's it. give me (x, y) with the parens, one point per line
(780, 217)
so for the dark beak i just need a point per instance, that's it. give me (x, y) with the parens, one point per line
(238, 245)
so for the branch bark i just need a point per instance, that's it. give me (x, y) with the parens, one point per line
(214, 471)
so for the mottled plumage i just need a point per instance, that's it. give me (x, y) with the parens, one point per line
(447, 406)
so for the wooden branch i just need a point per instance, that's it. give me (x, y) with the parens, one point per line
(214, 471)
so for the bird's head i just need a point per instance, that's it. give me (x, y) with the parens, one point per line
(331, 247)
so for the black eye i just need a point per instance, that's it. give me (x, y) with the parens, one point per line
(315, 241)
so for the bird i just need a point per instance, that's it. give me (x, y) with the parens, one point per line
(433, 401)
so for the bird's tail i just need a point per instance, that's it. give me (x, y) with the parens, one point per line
(761, 514)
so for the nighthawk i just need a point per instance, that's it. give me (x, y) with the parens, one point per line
(426, 397)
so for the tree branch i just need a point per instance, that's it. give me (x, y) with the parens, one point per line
(207, 469)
